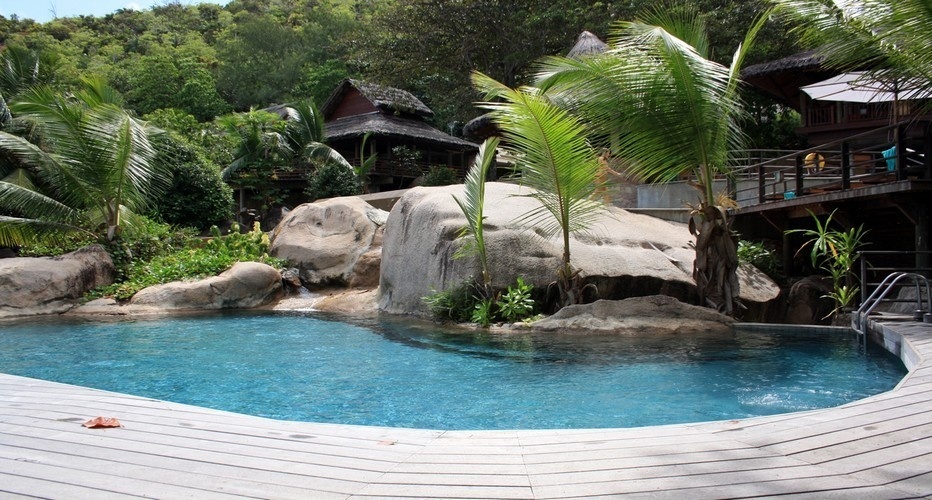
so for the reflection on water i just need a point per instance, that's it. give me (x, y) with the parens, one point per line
(413, 374)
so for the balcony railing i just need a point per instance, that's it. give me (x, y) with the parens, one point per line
(879, 156)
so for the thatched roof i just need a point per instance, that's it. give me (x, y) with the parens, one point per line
(803, 61)
(386, 125)
(587, 44)
(783, 78)
(385, 99)
(481, 128)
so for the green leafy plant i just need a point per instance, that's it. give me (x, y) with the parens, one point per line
(557, 162)
(516, 304)
(464, 303)
(406, 159)
(331, 180)
(455, 304)
(194, 261)
(835, 252)
(482, 313)
(759, 256)
(473, 205)
(439, 175)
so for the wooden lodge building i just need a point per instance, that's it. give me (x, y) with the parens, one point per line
(860, 165)
(390, 117)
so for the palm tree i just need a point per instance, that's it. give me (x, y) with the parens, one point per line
(891, 37)
(21, 68)
(266, 141)
(556, 162)
(657, 101)
(473, 207)
(93, 169)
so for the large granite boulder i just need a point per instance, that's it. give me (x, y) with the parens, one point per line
(30, 286)
(245, 285)
(808, 302)
(652, 315)
(623, 254)
(332, 242)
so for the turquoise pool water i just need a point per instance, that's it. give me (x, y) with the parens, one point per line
(393, 373)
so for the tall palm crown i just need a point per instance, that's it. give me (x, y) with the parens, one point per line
(656, 100)
(94, 168)
(891, 38)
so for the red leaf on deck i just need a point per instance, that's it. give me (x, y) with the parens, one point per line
(102, 422)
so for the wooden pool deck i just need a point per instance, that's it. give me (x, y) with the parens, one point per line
(879, 447)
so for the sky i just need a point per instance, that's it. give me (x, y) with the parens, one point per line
(42, 10)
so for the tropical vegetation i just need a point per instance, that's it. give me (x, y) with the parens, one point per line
(657, 101)
(835, 251)
(555, 161)
(472, 204)
(891, 39)
(91, 169)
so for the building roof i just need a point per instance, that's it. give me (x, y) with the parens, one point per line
(385, 99)
(803, 61)
(783, 78)
(387, 125)
(587, 44)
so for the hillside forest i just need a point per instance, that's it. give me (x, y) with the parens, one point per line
(208, 60)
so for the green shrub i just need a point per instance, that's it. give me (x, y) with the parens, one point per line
(198, 196)
(516, 304)
(465, 304)
(455, 304)
(194, 261)
(440, 176)
(144, 242)
(69, 243)
(756, 254)
(331, 180)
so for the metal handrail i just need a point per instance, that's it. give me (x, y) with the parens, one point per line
(868, 306)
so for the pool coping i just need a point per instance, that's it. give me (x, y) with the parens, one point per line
(878, 447)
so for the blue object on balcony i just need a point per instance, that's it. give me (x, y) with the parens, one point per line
(789, 195)
(890, 156)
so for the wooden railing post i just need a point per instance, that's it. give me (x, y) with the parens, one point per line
(761, 188)
(845, 166)
(799, 175)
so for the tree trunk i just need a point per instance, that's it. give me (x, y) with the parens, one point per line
(716, 265)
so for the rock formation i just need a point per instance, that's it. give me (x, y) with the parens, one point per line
(622, 254)
(332, 242)
(245, 285)
(652, 315)
(30, 286)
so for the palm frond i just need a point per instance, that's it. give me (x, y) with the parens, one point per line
(656, 100)
(556, 160)
(23, 201)
(15, 231)
(19, 177)
(473, 205)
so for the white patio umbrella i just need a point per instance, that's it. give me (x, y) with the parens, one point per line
(859, 86)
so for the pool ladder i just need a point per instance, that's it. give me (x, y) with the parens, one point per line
(920, 313)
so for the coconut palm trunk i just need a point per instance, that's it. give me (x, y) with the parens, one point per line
(716, 265)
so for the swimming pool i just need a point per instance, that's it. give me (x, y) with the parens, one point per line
(404, 374)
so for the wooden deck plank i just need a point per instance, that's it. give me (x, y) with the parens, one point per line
(14, 486)
(374, 457)
(104, 483)
(187, 473)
